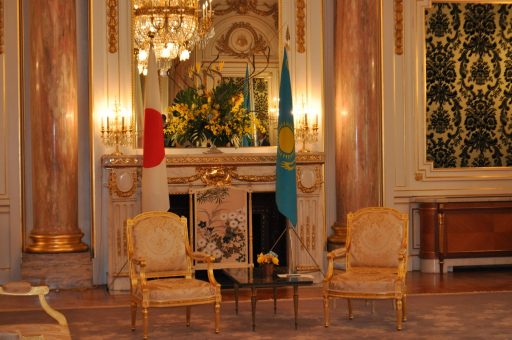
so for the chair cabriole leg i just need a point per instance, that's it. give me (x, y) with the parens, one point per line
(217, 317)
(188, 316)
(326, 311)
(133, 312)
(404, 316)
(398, 314)
(350, 315)
(145, 321)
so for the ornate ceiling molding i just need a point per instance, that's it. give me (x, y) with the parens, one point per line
(243, 7)
(241, 41)
(113, 25)
(301, 26)
(399, 26)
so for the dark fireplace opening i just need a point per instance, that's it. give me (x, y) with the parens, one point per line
(268, 224)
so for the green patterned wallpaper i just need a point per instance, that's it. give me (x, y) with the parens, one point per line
(469, 85)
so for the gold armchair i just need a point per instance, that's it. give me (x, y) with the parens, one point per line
(376, 261)
(160, 264)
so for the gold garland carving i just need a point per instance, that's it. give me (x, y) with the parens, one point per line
(112, 24)
(258, 46)
(1, 26)
(301, 26)
(399, 27)
(219, 175)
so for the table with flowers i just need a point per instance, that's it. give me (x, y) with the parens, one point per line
(254, 278)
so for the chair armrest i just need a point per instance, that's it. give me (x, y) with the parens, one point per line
(402, 263)
(336, 253)
(203, 257)
(22, 288)
(138, 276)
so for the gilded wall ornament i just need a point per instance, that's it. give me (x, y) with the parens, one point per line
(112, 25)
(301, 26)
(399, 26)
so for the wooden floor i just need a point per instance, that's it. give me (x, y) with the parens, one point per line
(478, 280)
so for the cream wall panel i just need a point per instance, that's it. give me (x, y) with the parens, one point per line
(10, 187)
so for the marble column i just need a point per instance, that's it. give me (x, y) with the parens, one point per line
(53, 118)
(358, 108)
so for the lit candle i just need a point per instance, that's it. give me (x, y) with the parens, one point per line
(108, 128)
(306, 119)
(122, 123)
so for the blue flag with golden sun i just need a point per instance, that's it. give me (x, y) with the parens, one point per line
(286, 186)
(247, 103)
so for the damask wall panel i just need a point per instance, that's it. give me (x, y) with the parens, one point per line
(469, 85)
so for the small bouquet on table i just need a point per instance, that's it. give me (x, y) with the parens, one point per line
(267, 262)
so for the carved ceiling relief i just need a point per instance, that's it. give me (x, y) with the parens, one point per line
(245, 7)
(241, 41)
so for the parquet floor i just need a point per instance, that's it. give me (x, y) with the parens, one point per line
(417, 283)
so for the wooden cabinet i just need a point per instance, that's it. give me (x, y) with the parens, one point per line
(465, 230)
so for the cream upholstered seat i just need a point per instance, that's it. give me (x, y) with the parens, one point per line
(376, 261)
(160, 261)
(55, 331)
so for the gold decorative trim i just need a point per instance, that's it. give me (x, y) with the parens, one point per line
(114, 189)
(301, 26)
(306, 268)
(418, 176)
(316, 185)
(113, 25)
(1, 26)
(111, 161)
(399, 26)
(257, 46)
(219, 175)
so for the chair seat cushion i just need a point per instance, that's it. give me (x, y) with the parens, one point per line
(36, 331)
(365, 282)
(179, 289)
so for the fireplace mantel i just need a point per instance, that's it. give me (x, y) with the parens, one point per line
(121, 180)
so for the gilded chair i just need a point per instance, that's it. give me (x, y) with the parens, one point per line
(375, 261)
(160, 265)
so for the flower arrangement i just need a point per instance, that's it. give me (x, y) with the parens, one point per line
(217, 116)
(269, 257)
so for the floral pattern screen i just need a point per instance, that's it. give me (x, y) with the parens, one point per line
(221, 225)
(469, 85)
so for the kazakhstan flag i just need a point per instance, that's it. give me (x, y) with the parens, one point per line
(286, 186)
(247, 104)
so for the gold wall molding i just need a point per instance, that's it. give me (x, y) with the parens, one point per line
(301, 26)
(399, 26)
(225, 159)
(1, 26)
(113, 25)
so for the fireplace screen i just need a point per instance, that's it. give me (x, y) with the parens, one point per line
(223, 225)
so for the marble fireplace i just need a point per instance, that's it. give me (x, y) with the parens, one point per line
(121, 178)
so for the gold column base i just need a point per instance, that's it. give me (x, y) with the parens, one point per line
(64, 243)
(338, 238)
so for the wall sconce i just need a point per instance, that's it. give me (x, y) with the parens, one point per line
(117, 129)
(306, 132)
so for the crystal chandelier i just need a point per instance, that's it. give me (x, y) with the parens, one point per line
(173, 27)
